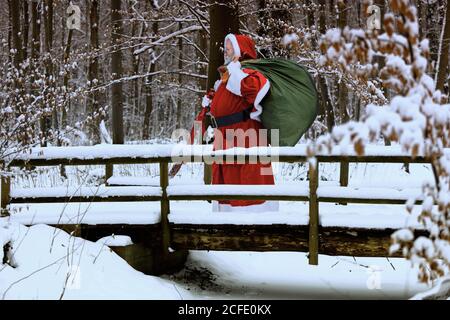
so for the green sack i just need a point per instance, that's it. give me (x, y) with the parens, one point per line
(291, 104)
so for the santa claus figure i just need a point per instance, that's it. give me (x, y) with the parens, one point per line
(235, 106)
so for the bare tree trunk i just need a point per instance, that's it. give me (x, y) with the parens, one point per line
(420, 19)
(18, 56)
(310, 21)
(46, 119)
(136, 91)
(432, 34)
(66, 78)
(203, 45)
(202, 40)
(48, 24)
(180, 79)
(224, 19)
(35, 47)
(380, 59)
(10, 44)
(325, 96)
(149, 91)
(343, 91)
(136, 31)
(116, 70)
(26, 28)
(442, 66)
(35, 31)
(358, 109)
(92, 106)
(263, 18)
(66, 104)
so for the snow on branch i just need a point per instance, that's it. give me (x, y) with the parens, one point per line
(417, 118)
(167, 37)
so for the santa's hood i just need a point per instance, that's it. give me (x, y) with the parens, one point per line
(243, 46)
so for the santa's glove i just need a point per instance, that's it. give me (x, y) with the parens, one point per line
(206, 101)
(207, 98)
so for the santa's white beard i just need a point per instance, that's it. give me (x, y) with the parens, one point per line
(227, 60)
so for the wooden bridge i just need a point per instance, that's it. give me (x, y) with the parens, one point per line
(159, 237)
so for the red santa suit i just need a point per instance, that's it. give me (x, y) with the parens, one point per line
(243, 90)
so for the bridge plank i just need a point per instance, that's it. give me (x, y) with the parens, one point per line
(247, 192)
(334, 241)
(85, 194)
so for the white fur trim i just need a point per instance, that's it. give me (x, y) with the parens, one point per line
(261, 94)
(217, 84)
(234, 81)
(267, 206)
(234, 43)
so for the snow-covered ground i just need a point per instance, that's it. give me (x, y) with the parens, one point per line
(48, 263)
(287, 275)
(44, 257)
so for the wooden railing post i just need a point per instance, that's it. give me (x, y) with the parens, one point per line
(109, 171)
(165, 208)
(5, 191)
(313, 214)
(207, 174)
(343, 176)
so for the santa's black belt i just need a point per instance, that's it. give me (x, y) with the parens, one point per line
(233, 118)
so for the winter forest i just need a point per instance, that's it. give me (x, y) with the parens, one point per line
(93, 80)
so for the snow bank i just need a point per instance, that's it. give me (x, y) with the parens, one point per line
(287, 275)
(50, 264)
(115, 241)
(440, 291)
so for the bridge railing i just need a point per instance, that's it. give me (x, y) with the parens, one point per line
(189, 237)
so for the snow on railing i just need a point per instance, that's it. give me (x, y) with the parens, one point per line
(198, 153)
